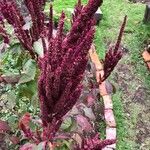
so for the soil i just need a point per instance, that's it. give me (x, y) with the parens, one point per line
(136, 102)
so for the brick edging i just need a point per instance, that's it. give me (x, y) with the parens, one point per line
(146, 57)
(111, 132)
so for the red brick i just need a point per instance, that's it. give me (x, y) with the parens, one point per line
(109, 118)
(146, 56)
(95, 59)
(108, 102)
(102, 88)
(111, 133)
(148, 65)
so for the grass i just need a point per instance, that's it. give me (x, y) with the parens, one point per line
(121, 125)
(136, 34)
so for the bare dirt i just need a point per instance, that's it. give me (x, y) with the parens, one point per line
(136, 102)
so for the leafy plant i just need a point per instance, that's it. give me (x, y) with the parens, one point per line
(62, 60)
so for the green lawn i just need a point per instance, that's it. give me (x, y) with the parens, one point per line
(136, 34)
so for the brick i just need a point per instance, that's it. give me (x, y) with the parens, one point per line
(98, 66)
(109, 118)
(148, 65)
(111, 133)
(97, 76)
(95, 60)
(146, 56)
(98, 73)
(102, 88)
(108, 102)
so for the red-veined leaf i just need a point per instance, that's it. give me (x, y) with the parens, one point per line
(25, 121)
(14, 139)
(4, 127)
(28, 146)
(90, 100)
(83, 123)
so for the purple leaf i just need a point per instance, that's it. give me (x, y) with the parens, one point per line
(28, 146)
(89, 113)
(62, 136)
(84, 123)
(14, 139)
(4, 127)
(90, 100)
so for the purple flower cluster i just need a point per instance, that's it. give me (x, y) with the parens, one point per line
(114, 54)
(63, 66)
(26, 37)
(77, 10)
(35, 8)
(95, 143)
(4, 35)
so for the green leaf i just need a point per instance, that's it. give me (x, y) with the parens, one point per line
(67, 143)
(11, 77)
(34, 101)
(33, 126)
(9, 29)
(29, 90)
(25, 91)
(11, 98)
(29, 71)
(13, 121)
(16, 47)
(40, 146)
(66, 125)
(38, 47)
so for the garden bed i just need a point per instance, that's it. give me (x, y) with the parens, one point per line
(89, 112)
(105, 90)
(58, 61)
